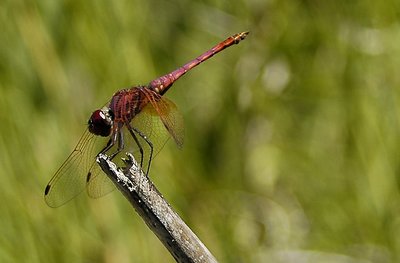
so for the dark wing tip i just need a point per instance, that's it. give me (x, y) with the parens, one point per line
(88, 177)
(46, 191)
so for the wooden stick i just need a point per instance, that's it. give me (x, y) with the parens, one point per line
(159, 216)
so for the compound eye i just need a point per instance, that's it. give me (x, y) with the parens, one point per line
(100, 123)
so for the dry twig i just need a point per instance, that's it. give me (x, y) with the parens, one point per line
(148, 202)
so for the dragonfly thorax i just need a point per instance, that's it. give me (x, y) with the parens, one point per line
(101, 121)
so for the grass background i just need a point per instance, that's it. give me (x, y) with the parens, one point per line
(292, 137)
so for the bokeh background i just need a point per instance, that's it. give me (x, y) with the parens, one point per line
(291, 138)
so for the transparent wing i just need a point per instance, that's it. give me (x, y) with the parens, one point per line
(156, 121)
(98, 184)
(169, 115)
(70, 179)
(171, 118)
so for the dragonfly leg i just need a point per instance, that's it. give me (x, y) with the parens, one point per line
(117, 136)
(132, 131)
(120, 147)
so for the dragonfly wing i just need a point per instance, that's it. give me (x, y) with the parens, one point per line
(70, 178)
(158, 120)
(148, 124)
(98, 184)
(170, 117)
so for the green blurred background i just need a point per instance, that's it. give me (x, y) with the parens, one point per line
(291, 138)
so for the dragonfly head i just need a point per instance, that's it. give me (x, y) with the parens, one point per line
(101, 121)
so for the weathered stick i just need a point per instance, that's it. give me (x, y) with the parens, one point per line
(148, 202)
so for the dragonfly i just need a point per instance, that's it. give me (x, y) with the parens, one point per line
(138, 116)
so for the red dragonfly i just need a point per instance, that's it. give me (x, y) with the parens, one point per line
(140, 114)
